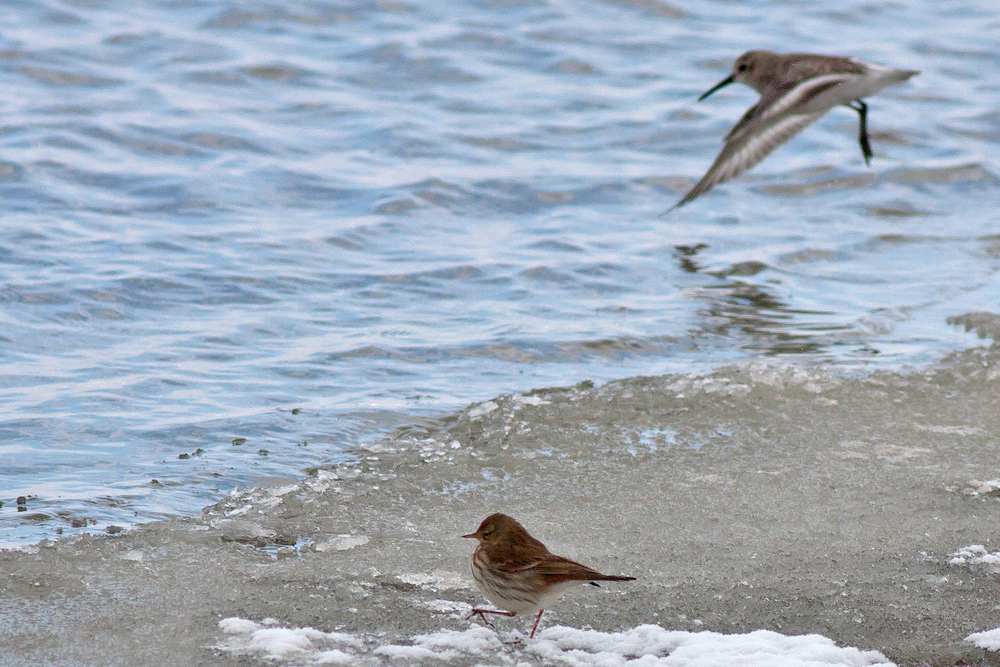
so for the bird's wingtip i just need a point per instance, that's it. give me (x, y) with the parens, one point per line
(676, 206)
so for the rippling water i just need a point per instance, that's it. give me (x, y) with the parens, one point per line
(299, 223)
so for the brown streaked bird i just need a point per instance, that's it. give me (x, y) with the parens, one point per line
(517, 573)
(796, 89)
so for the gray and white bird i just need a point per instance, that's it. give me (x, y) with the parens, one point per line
(795, 89)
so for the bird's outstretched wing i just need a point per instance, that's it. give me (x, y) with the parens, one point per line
(780, 114)
(746, 149)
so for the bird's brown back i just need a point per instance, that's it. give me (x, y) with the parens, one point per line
(511, 546)
(513, 549)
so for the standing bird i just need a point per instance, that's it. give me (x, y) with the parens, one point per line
(517, 573)
(795, 89)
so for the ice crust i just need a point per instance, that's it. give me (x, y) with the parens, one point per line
(754, 500)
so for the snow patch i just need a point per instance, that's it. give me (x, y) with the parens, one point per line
(277, 643)
(282, 644)
(446, 645)
(643, 646)
(651, 646)
(236, 625)
(976, 554)
(989, 640)
(334, 657)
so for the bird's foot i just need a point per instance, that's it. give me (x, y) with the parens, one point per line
(866, 147)
(481, 613)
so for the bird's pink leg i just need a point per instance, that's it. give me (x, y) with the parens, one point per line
(535, 626)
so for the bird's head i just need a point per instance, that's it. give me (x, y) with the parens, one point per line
(496, 527)
(752, 69)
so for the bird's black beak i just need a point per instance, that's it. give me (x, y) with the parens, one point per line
(469, 535)
(725, 82)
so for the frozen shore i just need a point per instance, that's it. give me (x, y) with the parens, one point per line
(862, 509)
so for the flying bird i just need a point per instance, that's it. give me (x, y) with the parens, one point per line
(795, 89)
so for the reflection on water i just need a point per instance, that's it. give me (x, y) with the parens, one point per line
(736, 309)
(295, 225)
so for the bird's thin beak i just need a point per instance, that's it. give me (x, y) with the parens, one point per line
(469, 535)
(725, 82)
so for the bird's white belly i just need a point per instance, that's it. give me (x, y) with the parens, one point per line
(556, 591)
(509, 596)
(855, 87)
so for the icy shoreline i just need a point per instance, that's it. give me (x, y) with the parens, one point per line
(858, 509)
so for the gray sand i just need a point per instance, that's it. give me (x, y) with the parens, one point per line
(751, 498)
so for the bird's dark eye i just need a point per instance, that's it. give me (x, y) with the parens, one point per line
(742, 67)
(488, 534)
